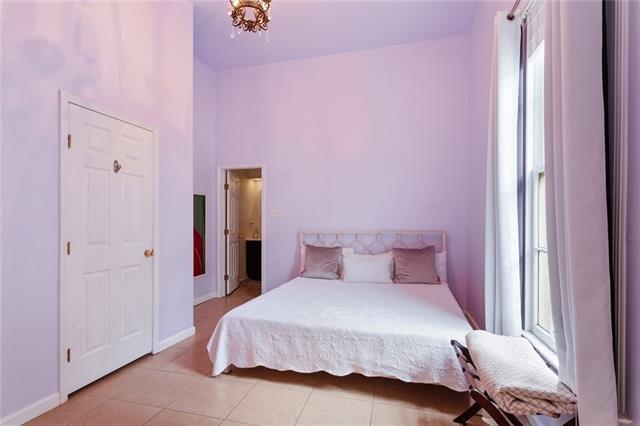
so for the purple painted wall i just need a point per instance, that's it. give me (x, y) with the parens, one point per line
(392, 153)
(633, 296)
(134, 58)
(204, 169)
(480, 46)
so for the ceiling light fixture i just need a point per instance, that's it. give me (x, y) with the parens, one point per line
(249, 15)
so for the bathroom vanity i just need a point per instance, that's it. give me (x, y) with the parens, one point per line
(254, 259)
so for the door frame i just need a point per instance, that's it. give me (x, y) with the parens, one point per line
(220, 212)
(67, 99)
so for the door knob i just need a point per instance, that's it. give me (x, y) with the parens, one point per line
(149, 253)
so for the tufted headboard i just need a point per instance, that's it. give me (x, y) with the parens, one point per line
(373, 242)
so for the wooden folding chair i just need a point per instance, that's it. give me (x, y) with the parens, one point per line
(480, 396)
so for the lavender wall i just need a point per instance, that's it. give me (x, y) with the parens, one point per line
(204, 169)
(392, 153)
(480, 46)
(633, 296)
(135, 58)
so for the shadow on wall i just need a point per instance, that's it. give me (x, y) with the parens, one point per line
(42, 57)
(100, 63)
(46, 58)
(131, 57)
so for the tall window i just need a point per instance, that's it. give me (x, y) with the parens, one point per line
(537, 297)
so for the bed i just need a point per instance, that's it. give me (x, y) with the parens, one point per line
(306, 325)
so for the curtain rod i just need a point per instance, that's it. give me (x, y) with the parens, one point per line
(512, 15)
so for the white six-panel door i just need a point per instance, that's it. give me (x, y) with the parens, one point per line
(108, 222)
(233, 234)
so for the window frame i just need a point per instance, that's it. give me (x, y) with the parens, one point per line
(532, 300)
(534, 167)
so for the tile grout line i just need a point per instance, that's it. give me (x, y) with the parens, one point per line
(105, 400)
(373, 401)
(241, 399)
(167, 363)
(162, 408)
(306, 401)
(371, 414)
(116, 400)
(154, 416)
(167, 407)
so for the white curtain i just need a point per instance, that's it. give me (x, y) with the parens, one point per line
(576, 207)
(502, 262)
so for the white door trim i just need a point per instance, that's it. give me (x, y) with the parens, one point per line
(67, 98)
(222, 168)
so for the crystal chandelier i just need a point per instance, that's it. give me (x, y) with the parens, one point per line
(249, 15)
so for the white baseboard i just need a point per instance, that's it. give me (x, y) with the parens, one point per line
(204, 298)
(32, 411)
(176, 338)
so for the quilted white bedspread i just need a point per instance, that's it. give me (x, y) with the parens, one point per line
(308, 325)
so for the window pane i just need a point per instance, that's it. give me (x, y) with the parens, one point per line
(542, 212)
(535, 25)
(537, 300)
(544, 297)
(535, 95)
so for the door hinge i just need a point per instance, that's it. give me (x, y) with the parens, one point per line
(226, 277)
(69, 140)
(226, 232)
(226, 186)
(68, 248)
(68, 354)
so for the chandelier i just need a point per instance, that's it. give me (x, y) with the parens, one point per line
(249, 15)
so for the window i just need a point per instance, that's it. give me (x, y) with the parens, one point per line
(537, 298)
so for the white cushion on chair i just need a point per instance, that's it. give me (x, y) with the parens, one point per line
(515, 376)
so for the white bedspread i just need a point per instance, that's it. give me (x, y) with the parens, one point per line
(308, 325)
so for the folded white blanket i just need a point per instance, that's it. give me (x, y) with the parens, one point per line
(515, 376)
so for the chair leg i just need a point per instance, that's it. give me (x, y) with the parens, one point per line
(492, 410)
(468, 413)
(513, 419)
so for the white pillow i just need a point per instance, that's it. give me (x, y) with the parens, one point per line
(441, 266)
(367, 268)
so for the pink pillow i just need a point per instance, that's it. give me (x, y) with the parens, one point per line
(415, 266)
(321, 262)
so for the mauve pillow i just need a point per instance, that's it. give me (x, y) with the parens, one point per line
(321, 262)
(416, 266)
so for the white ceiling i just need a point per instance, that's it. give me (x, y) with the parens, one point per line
(307, 28)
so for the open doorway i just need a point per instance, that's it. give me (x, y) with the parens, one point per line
(241, 241)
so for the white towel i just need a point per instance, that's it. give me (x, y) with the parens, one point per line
(515, 376)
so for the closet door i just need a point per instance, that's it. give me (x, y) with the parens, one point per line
(108, 216)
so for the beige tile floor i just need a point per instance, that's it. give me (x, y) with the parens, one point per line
(174, 387)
